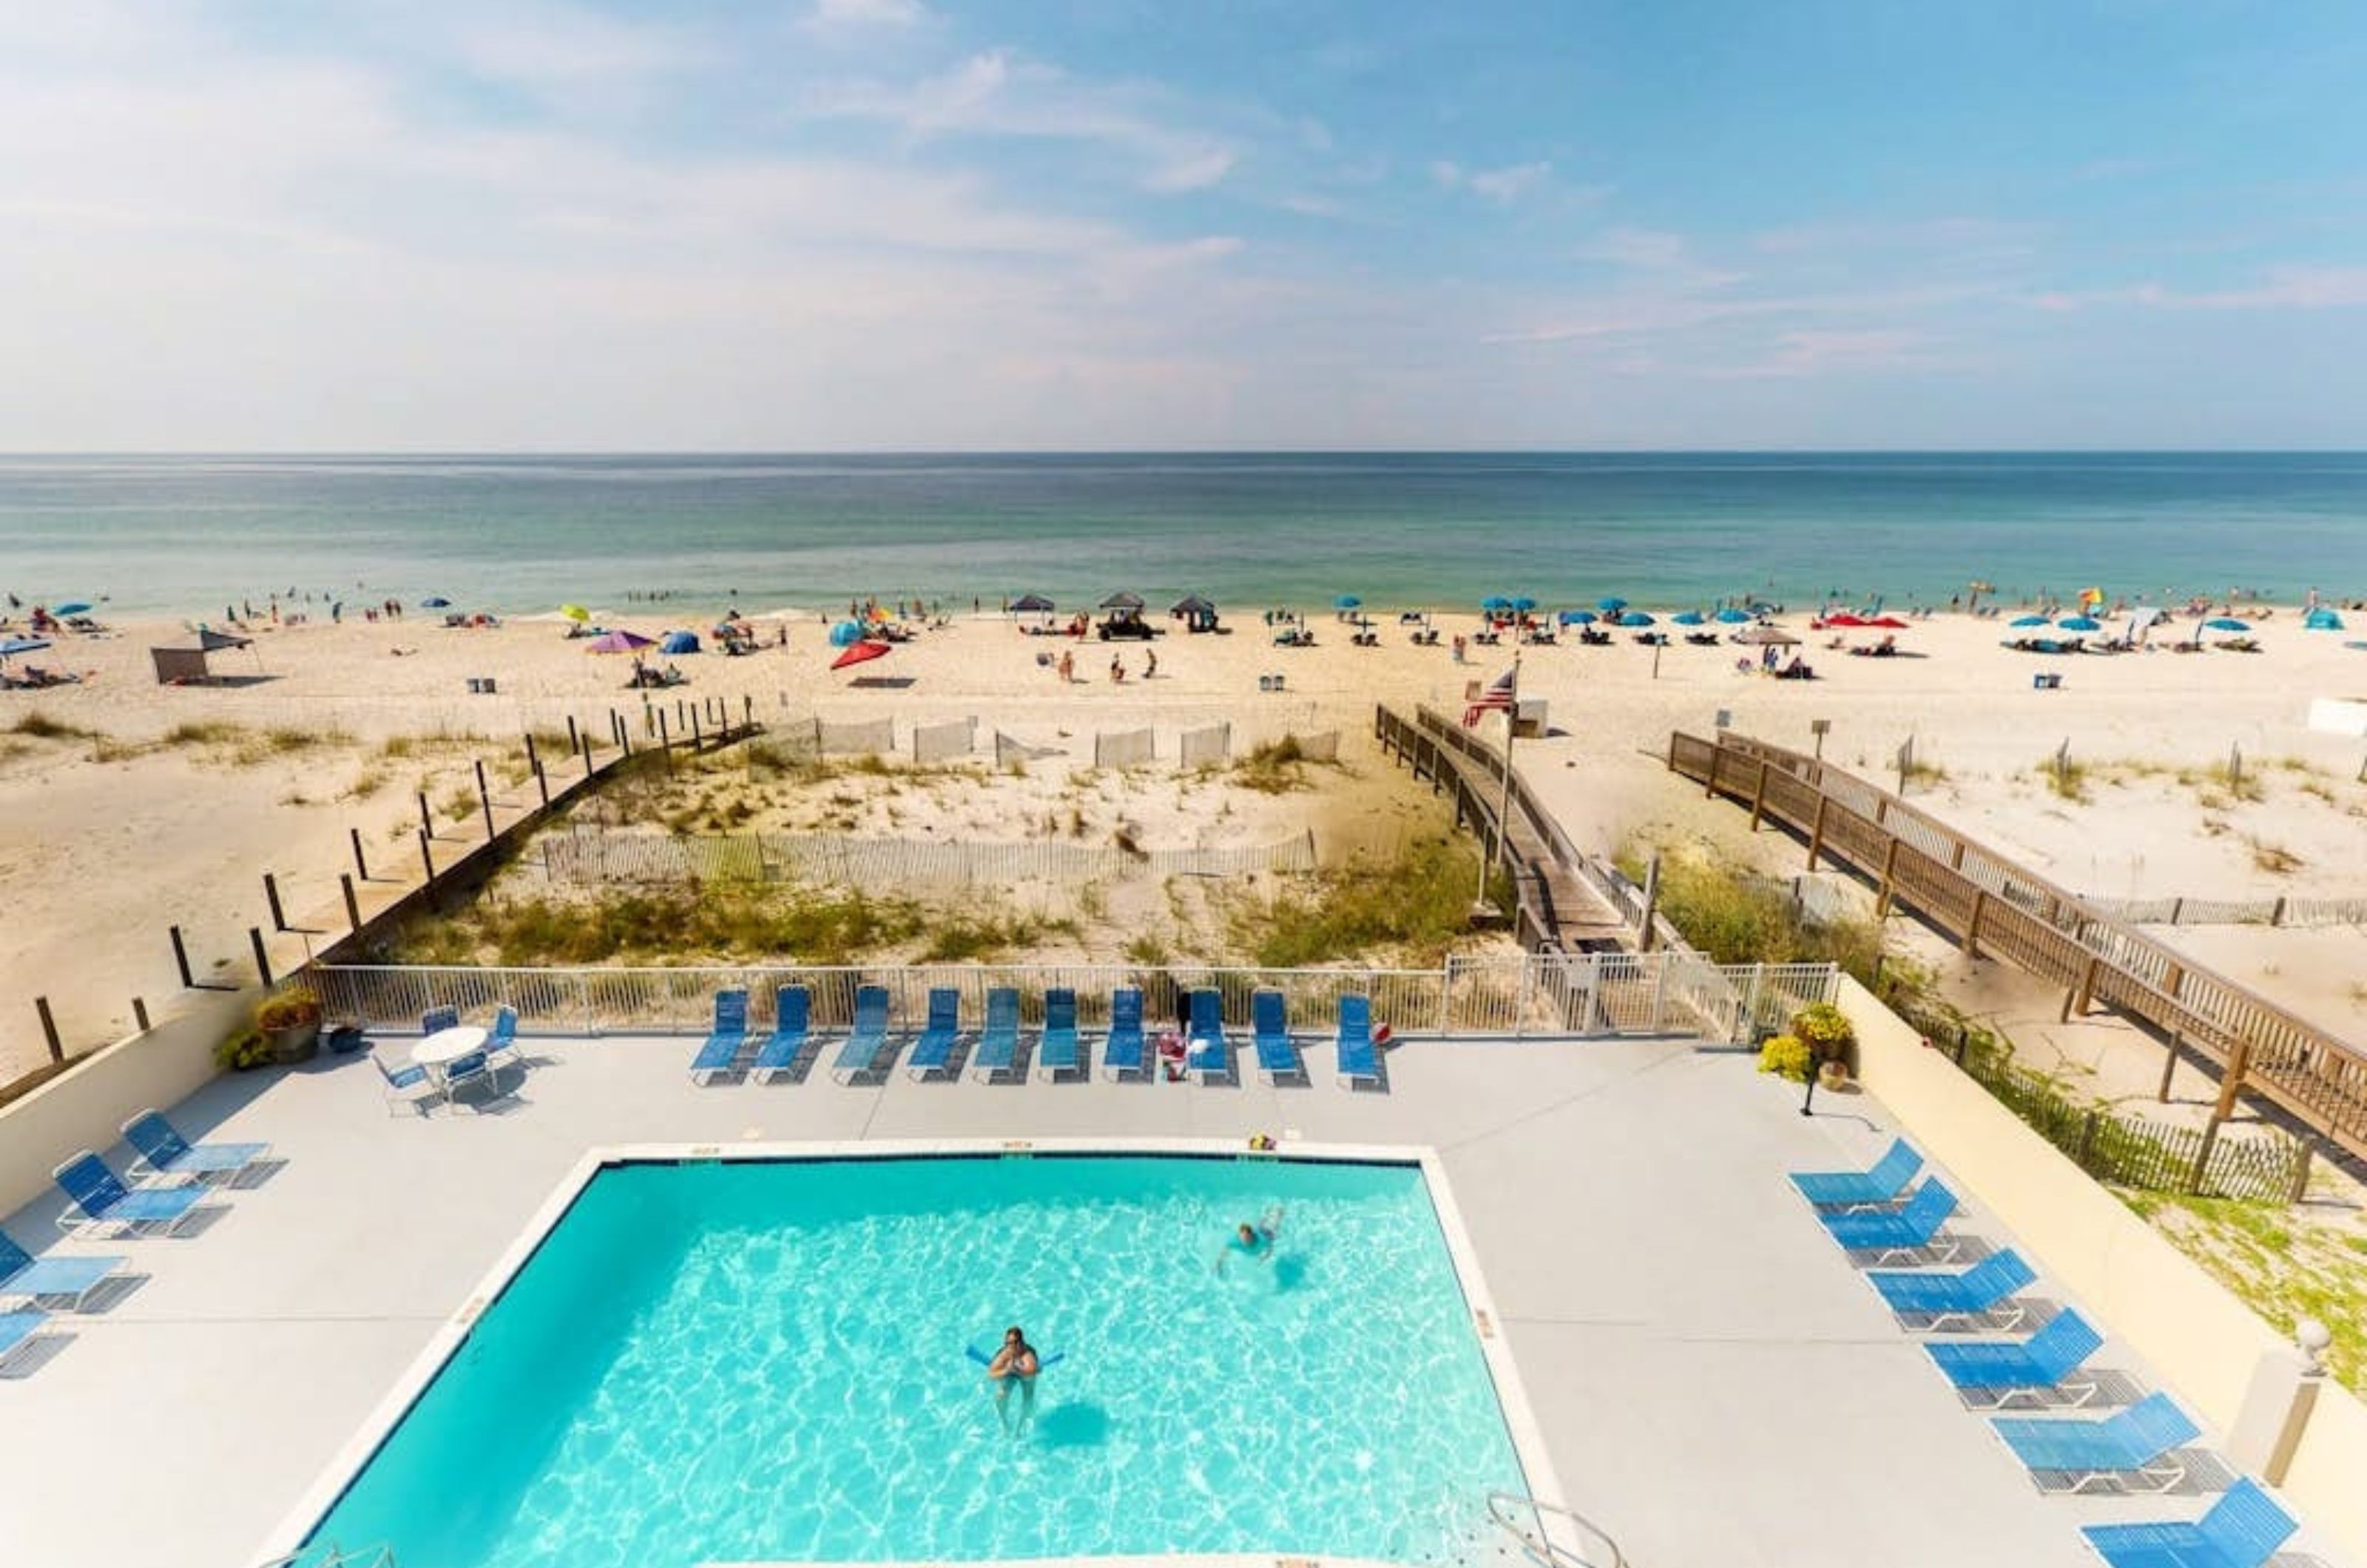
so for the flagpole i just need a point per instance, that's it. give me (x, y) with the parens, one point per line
(1505, 800)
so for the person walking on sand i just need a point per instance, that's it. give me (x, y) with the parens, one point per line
(1149, 662)
(1117, 670)
(1068, 665)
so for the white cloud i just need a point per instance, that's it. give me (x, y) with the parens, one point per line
(2280, 289)
(1505, 184)
(844, 15)
(1814, 353)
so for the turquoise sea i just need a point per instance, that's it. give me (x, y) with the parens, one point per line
(187, 535)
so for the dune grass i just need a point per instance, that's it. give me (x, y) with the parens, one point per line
(1736, 920)
(1413, 905)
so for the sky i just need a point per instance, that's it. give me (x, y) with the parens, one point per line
(346, 225)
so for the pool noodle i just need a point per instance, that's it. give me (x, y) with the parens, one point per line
(1043, 1363)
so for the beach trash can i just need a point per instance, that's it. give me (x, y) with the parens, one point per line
(2046, 683)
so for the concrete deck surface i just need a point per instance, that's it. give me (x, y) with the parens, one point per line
(1715, 1385)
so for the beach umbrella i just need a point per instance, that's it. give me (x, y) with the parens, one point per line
(1123, 602)
(1689, 618)
(846, 634)
(2029, 621)
(1577, 617)
(618, 642)
(79, 607)
(435, 603)
(1347, 601)
(679, 642)
(1495, 601)
(17, 645)
(1733, 618)
(2080, 624)
(1192, 604)
(576, 613)
(2228, 623)
(1636, 618)
(1032, 603)
(1523, 603)
(1888, 622)
(1611, 606)
(858, 653)
(1766, 637)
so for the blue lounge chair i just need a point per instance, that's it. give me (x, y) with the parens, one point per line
(721, 1052)
(778, 1053)
(1126, 1052)
(102, 1205)
(1360, 1059)
(17, 1331)
(502, 1038)
(2243, 1529)
(1854, 1188)
(1990, 1373)
(162, 1153)
(1897, 1232)
(859, 1052)
(998, 1046)
(436, 1021)
(1269, 1037)
(1208, 1054)
(935, 1045)
(1981, 1296)
(476, 1067)
(2131, 1451)
(410, 1085)
(24, 1278)
(1060, 1050)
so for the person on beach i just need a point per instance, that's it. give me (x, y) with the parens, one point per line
(1015, 1363)
(1068, 665)
(1149, 662)
(1117, 670)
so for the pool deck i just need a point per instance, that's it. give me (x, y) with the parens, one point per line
(1714, 1383)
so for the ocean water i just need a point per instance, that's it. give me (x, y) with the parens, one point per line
(747, 1362)
(186, 535)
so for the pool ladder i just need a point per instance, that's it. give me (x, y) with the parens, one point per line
(1524, 1522)
(335, 1556)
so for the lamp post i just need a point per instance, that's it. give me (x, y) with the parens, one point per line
(1808, 1099)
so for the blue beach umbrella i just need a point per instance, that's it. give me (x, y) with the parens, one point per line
(436, 602)
(2228, 623)
(1690, 619)
(1495, 601)
(17, 645)
(1347, 601)
(2029, 620)
(1523, 603)
(2080, 624)
(1611, 606)
(846, 634)
(78, 607)
(1733, 618)
(679, 642)
(1577, 617)
(1635, 618)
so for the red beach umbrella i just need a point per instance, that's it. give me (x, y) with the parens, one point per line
(858, 652)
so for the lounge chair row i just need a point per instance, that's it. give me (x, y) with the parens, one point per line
(1203, 1049)
(170, 1180)
(1872, 1212)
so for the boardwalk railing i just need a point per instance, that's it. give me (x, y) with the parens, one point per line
(1998, 909)
(1553, 995)
(599, 856)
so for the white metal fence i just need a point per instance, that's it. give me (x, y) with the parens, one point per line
(1533, 995)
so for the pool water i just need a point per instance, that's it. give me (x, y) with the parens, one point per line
(753, 1361)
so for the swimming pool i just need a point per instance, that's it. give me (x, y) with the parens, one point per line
(766, 1360)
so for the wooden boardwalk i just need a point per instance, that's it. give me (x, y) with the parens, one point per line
(1995, 908)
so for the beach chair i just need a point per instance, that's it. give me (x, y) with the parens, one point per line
(1854, 1188)
(859, 1052)
(475, 1067)
(721, 1052)
(1125, 1050)
(101, 1205)
(1208, 1054)
(16, 1333)
(998, 1045)
(2130, 1451)
(1991, 1374)
(778, 1053)
(434, 1021)
(2243, 1529)
(1360, 1059)
(27, 1279)
(1060, 1050)
(1277, 1058)
(936, 1045)
(1898, 1232)
(501, 1039)
(161, 1153)
(410, 1085)
(1981, 1296)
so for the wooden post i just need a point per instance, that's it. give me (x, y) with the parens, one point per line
(353, 904)
(1889, 869)
(2277, 914)
(361, 865)
(427, 822)
(1672, 751)
(271, 898)
(1973, 927)
(2088, 986)
(697, 737)
(427, 859)
(587, 749)
(2299, 1189)
(484, 799)
(665, 737)
(2202, 1155)
(2168, 1066)
(1817, 833)
(747, 710)
(2087, 1137)
(1652, 904)
(140, 1017)
(181, 958)
(1956, 856)
(2173, 980)
(1709, 775)
(575, 741)
(2231, 1082)
(1758, 796)
(532, 759)
(542, 785)
(262, 955)
(50, 1029)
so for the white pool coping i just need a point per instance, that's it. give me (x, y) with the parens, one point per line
(1512, 1399)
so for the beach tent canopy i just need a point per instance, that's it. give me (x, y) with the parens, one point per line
(2321, 620)
(619, 642)
(846, 634)
(679, 642)
(1192, 604)
(1770, 637)
(212, 641)
(1123, 602)
(1031, 603)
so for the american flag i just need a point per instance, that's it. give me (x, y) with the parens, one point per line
(1496, 697)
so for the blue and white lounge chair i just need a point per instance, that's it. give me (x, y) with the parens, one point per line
(1126, 1052)
(24, 1278)
(1270, 1036)
(411, 1084)
(16, 1332)
(1061, 1051)
(935, 1045)
(1992, 1373)
(1360, 1059)
(2131, 1451)
(476, 1067)
(998, 1045)
(1208, 1054)
(2243, 1529)
(721, 1052)
(1978, 1297)
(436, 1021)
(778, 1053)
(501, 1040)
(1898, 1231)
(1866, 1188)
(103, 1206)
(859, 1052)
(161, 1153)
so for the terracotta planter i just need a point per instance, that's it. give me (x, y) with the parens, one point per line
(1832, 1073)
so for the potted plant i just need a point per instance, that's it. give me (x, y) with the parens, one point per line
(291, 1021)
(246, 1048)
(1830, 1037)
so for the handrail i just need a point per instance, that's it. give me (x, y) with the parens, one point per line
(1536, 1542)
(380, 1556)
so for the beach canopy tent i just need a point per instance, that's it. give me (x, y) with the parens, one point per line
(1192, 604)
(183, 666)
(619, 642)
(1774, 637)
(846, 634)
(1123, 602)
(1032, 604)
(2321, 620)
(679, 642)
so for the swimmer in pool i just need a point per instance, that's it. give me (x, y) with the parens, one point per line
(1016, 1362)
(1253, 1241)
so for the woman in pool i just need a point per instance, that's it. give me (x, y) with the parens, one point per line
(1016, 1362)
(1254, 1241)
